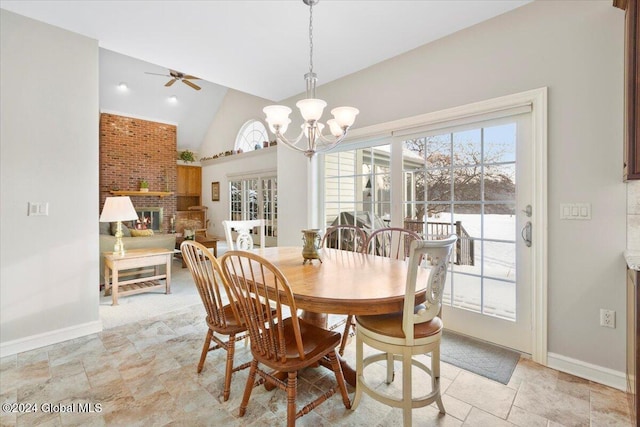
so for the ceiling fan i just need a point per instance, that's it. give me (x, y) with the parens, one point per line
(177, 75)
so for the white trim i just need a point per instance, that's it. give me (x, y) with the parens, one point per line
(47, 338)
(256, 173)
(537, 100)
(588, 371)
(539, 272)
(450, 114)
(135, 116)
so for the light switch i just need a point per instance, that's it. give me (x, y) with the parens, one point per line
(37, 208)
(575, 211)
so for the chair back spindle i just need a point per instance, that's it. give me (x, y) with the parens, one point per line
(345, 237)
(254, 281)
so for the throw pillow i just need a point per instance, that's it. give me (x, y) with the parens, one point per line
(125, 229)
(141, 233)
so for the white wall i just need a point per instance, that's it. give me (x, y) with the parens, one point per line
(576, 49)
(236, 109)
(49, 153)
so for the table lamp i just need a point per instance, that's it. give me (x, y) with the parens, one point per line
(118, 209)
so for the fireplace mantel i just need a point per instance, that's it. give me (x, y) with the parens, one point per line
(160, 194)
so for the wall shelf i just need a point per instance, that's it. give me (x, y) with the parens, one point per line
(160, 194)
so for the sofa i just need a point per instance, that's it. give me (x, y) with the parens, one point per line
(108, 240)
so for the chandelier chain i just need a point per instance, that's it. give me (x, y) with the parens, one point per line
(311, 37)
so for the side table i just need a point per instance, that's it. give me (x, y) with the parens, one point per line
(136, 259)
(208, 242)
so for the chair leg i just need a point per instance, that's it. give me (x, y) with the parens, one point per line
(231, 347)
(406, 388)
(292, 386)
(249, 387)
(435, 380)
(205, 350)
(335, 365)
(359, 370)
(345, 335)
(390, 372)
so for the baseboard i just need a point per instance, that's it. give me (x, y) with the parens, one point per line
(52, 337)
(599, 374)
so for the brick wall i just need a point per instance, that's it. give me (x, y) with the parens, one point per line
(134, 149)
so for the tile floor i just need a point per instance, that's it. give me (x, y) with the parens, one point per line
(144, 374)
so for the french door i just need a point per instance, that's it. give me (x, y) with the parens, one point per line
(476, 181)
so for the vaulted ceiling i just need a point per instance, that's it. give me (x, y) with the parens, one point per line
(260, 47)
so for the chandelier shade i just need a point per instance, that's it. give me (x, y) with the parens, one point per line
(311, 109)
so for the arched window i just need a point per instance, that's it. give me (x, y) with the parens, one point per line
(252, 133)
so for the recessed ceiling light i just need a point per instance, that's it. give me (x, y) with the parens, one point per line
(173, 99)
(123, 86)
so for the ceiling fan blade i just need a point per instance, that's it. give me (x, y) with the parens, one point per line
(157, 74)
(170, 82)
(191, 77)
(188, 83)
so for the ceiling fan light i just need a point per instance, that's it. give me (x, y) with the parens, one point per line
(311, 108)
(173, 99)
(345, 116)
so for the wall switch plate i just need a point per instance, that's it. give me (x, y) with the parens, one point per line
(575, 211)
(38, 209)
(607, 318)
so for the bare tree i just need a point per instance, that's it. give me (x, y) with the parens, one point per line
(433, 182)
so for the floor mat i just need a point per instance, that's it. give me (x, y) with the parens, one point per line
(479, 357)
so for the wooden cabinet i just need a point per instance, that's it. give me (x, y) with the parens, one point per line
(189, 186)
(631, 88)
(633, 328)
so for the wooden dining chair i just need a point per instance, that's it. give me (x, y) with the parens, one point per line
(392, 242)
(389, 242)
(285, 345)
(413, 331)
(345, 237)
(222, 318)
(244, 240)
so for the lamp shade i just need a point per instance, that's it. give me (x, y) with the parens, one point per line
(311, 108)
(345, 116)
(335, 128)
(277, 114)
(118, 209)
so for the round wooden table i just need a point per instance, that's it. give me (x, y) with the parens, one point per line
(344, 283)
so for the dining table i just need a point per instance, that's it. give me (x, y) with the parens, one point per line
(343, 282)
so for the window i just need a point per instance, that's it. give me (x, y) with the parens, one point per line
(252, 134)
(358, 187)
(255, 198)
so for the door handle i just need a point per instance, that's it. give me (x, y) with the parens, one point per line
(526, 234)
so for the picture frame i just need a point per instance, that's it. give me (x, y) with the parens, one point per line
(215, 191)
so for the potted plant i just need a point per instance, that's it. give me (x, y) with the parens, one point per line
(187, 156)
(144, 186)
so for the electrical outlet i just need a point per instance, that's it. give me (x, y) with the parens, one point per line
(607, 318)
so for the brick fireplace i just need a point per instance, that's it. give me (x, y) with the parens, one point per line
(133, 149)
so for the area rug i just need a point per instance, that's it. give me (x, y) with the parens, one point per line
(479, 357)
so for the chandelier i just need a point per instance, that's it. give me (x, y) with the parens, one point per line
(311, 110)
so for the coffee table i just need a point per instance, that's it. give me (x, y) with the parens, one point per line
(138, 259)
(210, 242)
